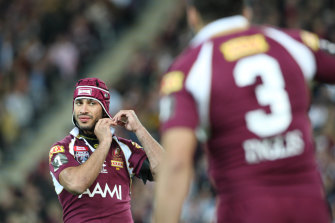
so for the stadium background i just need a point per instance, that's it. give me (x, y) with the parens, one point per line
(46, 45)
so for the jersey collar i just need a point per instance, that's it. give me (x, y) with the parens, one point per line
(218, 26)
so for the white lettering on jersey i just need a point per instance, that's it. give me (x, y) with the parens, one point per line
(278, 147)
(98, 190)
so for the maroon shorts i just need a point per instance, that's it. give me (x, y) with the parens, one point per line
(273, 209)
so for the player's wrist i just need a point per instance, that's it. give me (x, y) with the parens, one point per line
(106, 142)
(139, 127)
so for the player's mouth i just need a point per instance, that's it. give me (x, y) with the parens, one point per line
(84, 118)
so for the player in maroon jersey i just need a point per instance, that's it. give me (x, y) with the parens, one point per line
(92, 168)
(245, 88)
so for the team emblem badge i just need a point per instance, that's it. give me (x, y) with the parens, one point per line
(81, 154)
(117, 153)
(117, 161)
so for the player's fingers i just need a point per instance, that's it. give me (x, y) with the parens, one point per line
(118, 115)
(104, 122)
(121, 117)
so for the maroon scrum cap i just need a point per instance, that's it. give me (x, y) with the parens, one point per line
(92, 88)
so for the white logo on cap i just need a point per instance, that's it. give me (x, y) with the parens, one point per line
(83, 91)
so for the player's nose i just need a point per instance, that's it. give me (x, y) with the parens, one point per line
(83, 108)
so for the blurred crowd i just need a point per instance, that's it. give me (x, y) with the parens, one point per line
(44, 46)
(47, 43)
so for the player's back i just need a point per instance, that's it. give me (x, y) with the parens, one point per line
(260, 144)
(260, 135)
(247, 87)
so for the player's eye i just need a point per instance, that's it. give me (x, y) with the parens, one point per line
(78, 102)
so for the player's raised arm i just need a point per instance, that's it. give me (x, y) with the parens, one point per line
(152, 148)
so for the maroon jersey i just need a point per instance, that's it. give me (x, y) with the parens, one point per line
(245, 88)
(108, 198)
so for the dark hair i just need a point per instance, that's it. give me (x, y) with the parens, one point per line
(214, 9)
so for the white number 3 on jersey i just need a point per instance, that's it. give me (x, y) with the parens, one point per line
(271, 92)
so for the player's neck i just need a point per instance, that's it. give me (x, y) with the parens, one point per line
(87, 134)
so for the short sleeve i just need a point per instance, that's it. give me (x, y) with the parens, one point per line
(59, 159)
(178, 107)
(323, 51)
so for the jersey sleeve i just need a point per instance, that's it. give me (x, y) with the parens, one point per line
(324, 53)
(60, 158)
(177, 105)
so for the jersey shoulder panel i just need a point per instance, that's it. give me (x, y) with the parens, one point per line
(60, 146)
(174, 79)
(307, 38)
(131, 144)
(60, 156)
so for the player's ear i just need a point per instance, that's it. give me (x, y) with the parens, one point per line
(247, 12)
(193, 18)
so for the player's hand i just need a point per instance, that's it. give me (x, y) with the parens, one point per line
(102, 130)
(128, 119)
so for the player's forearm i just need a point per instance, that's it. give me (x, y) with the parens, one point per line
(172, 189)
(77, 179)
(152, 148)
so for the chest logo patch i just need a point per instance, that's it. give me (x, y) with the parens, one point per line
(117, 160)
(81, 154)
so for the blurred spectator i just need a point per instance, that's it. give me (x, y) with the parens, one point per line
(65, 56)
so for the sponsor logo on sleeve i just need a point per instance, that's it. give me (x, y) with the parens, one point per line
(54, 150)
(137, 146)
(172, 82)
(311, 40)
(239, 47)
(60, 159)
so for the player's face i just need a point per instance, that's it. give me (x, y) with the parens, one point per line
(87, 112)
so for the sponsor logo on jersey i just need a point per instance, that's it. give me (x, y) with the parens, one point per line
(136, 145)
(239, 47)
(81, 154)
(80, 148)
(172, 82)
(104, 192)
(54, 150)
(117, 164)
(84, 91)
(311, 40)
